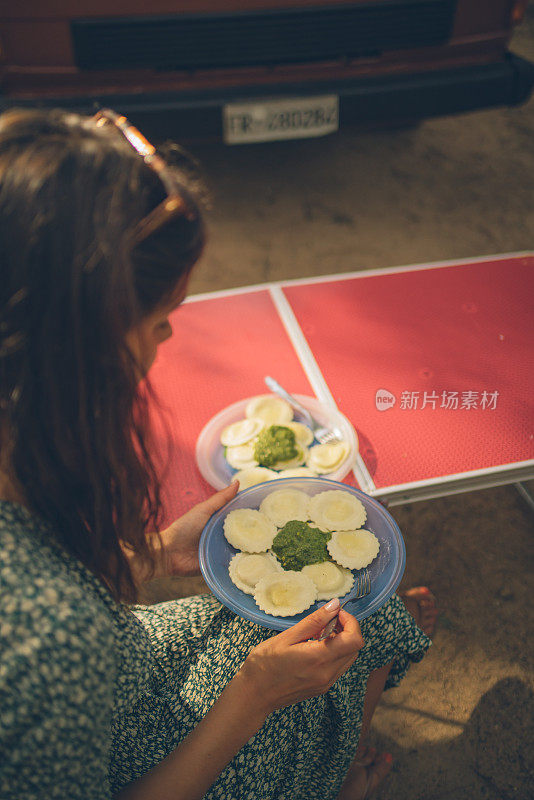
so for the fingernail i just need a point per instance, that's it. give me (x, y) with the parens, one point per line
(332, 604)
(388, 757)
(232, 484)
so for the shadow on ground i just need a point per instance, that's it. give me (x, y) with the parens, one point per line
(490, 759)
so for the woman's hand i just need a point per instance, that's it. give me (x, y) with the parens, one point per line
(179, 555)
(176, 549)
(293, 666)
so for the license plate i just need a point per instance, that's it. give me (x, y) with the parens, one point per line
(287, 118)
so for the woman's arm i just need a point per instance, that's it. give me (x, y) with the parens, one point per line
(189, 771)
(280, 671)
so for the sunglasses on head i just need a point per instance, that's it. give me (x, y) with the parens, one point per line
(174, 204)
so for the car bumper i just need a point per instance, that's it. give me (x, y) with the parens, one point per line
(376, 100)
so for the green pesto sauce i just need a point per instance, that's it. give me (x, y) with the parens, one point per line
(276, 443)
(298, 544)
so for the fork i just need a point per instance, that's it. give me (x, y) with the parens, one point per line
(363, 587)
(323, 434)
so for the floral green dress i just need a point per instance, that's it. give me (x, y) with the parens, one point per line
(93, 693)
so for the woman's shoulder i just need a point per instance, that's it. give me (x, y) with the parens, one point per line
(41, 586)
(58, 667)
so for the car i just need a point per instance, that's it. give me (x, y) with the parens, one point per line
(265, 69)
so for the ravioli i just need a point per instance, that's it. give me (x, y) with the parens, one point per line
(337, 510)
(325, 458)
(246, 569)
(285, 594)
(283, 505)
(271, 410)
(249, 530)
(297, 472)
(303, 434)
(286, 570)
(331, 579)
(251, 476)
(299, 459)
(241, 456)
(353, 549)
(240, 432)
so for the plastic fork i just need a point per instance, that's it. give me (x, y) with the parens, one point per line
(323, 434)
(361, 589)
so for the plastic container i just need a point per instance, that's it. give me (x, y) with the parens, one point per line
(210, 452)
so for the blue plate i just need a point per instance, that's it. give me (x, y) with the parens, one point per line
(215, 553)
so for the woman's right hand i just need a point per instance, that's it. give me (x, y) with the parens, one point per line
(293, 666)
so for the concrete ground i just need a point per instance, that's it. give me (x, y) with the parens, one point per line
(461, 725)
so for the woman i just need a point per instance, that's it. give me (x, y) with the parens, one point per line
(101, 699)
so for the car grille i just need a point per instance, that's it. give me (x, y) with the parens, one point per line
(260, 38)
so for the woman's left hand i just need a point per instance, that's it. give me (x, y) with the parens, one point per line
(180, 540)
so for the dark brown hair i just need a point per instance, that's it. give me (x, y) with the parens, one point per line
(73, 420)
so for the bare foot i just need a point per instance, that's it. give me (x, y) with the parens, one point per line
(365, 774)
(421, 604)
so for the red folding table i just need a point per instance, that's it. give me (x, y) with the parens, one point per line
(431, 363)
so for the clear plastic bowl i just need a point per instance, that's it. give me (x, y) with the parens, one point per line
(210, 452)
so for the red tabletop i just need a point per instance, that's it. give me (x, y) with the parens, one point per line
(220, 350)
(447, 347)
